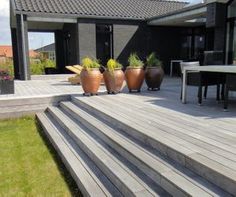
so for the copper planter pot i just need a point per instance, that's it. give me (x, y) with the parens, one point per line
(114, 80)
(154, 77)
(90, 81)
(134, 78)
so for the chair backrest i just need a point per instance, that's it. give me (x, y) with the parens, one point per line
(213, 58)
(184, 64)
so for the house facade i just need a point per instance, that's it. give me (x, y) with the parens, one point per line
(47, 52)
(108, 28)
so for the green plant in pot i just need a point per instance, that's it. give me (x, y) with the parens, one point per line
(134, 73)
(153, 73)
(113, 76)
(90, 76)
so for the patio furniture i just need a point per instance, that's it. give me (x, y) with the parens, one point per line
(222, 69)
(196, 78)
(230, 85)
(77, 70)
(193, 79)
(172, 63)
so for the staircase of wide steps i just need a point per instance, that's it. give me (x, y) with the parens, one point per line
(108, 157)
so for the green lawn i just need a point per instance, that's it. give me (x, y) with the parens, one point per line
(29, 166)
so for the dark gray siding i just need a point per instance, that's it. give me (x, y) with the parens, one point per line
(128, 39)
(87, 40)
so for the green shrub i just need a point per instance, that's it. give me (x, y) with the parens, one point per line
(134, 61)
(89, 63)
(37, 68)
(112, 65)
(153, 61)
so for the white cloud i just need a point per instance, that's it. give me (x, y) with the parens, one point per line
(36, 40)
(4, 8)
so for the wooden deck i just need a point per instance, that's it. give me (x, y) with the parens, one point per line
(180, 149)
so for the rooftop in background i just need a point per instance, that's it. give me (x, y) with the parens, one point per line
(47, 48)
(118, 9)
(6, 51)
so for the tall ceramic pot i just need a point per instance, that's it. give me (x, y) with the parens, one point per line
(90, 81)
(134, 78)
(154, 77)
(114, 80)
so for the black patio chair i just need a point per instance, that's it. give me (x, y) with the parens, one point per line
(205, 79)
(230, 85)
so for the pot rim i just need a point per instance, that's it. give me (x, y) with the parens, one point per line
(114, 69)
(134, 67)
(91, 69)
(159, 67)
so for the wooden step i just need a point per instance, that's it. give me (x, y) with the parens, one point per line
(180, 182)
(90, 180)
(168, 144)
(123, 178)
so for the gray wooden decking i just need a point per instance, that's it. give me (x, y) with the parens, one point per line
(181, 148)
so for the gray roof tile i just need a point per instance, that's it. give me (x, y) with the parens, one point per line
(135, 9)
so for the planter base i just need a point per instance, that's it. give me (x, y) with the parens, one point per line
(153, 89)
(7, 87)
(89, 94)
(133, 91)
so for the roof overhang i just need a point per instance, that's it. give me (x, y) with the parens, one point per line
(188, 16)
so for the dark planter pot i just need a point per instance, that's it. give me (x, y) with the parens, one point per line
(51, 71)
(6, 86)
(154, 77)
(134, 78)
(114, 80)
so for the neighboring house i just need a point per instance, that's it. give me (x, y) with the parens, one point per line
(48, 51)
(7, 54)
(115, 28)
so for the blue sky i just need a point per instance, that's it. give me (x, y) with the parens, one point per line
(36, 40)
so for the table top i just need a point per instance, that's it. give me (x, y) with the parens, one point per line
(212, 68)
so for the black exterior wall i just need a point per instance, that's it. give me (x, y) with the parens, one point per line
(130, 38)
(76, 41)
(60, 51)
(15, 53)
(22, 55)
(216, 23)
(166, 42)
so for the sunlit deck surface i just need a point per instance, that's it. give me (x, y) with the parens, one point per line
(204, 123)
(205, 133)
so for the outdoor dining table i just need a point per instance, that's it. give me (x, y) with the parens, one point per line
(225, 69)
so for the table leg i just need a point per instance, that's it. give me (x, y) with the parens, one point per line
(171, 68)
(184, 87)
